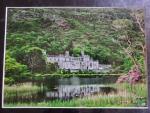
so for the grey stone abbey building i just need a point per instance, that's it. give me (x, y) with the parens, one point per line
(83, 62)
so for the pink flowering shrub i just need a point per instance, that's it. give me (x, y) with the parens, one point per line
(133, 76)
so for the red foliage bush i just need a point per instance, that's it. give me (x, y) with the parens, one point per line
(133, 76)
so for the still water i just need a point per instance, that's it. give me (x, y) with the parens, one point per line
(65, 88)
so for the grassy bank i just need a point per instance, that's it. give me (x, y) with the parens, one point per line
(127, 96)
(76, 75)
(24, 89)
(139, 89)
(84, 102)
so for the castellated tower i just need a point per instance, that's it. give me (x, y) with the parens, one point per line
(67, 53)
(82, 53)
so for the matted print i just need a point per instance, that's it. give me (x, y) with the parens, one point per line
(75, 57)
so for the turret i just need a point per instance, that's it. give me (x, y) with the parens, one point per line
(67, 53)
(82, 53)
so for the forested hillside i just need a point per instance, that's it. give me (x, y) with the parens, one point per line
(111, 36)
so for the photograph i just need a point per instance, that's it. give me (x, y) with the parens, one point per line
(75, 57)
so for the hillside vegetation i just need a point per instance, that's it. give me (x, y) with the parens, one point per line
(111, 36)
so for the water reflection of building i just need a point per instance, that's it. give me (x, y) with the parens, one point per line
(73, 91)
(83, 62)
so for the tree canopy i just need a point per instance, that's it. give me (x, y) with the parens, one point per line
(111, 36)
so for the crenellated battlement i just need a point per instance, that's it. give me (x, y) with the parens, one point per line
(83, 62)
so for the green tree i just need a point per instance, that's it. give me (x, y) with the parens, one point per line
(15, 70)
(35, 59)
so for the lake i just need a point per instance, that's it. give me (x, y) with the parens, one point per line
(51, 88)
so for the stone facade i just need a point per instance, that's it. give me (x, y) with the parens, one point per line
(83, 62)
